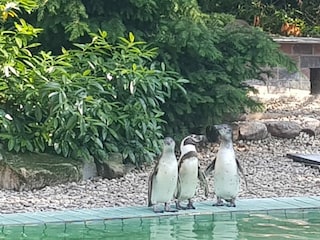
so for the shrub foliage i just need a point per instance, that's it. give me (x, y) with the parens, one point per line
(89, 101)
(210, 50)
(93, 94)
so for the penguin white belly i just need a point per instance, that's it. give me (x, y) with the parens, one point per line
(188, 174)
(226, 177)
(164, 183)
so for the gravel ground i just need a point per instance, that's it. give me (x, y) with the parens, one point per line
(268, 172)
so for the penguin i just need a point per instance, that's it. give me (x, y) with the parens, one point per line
(164, 177)
(226, 168)
(189, 171)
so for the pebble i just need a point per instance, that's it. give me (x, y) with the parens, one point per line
(268, 171)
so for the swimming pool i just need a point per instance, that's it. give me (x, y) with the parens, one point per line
(283, 218)
(260, 225)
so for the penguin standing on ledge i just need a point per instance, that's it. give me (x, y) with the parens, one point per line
(189, 171)
(163, 179)
(226, 169)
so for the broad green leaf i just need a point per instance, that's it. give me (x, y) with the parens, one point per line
(11, 144)
(19, 42)
(65, 148)
(29, 146)
(86, 72)
(98, 142)
(132, 157)
(131, 37)
(72, 121)
(38, 113)
(139, 134)
(113, 133)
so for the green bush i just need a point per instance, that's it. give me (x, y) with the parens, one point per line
(209, 49)
(218, 57)
(101, 96)
(271, 13)
(110, 102)
(87, 102)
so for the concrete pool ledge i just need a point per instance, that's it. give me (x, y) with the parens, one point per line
(140, 212)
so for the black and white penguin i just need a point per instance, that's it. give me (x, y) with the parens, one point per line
(226, 169)
(163, 179)
(189, 171)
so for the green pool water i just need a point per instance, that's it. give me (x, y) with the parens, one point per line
(255, 225)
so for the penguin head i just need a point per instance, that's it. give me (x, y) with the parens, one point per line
(189, 143)
(169, 144)
(193, 139)
(225, 131)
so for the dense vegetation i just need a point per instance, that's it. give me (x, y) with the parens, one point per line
(209, 49)
(86, 102)
(302, 17)
(94, 86)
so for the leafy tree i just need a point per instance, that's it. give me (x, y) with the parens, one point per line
(271, 15)
(86, 102)
(215, 54)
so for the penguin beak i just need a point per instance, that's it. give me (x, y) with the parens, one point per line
(199, 138)
(218, 127)
(203, 138)
(167, 141)
(221, 128)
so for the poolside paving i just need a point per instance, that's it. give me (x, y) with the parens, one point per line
(282, 204)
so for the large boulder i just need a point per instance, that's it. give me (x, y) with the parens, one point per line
(111, 167)
(253, 131)
(26, 171)
(283, 129)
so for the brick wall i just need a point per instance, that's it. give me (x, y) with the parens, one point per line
(306, 53)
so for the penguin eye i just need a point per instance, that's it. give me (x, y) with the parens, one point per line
(188, 141)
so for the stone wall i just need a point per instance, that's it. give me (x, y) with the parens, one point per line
(306, 53)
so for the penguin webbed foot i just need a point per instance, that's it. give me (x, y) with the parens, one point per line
(155, 210)
(179, 207)
(190, 205)
(231, 202)
(219, 202)
(158, 211)
(168, 209)
(171, 210)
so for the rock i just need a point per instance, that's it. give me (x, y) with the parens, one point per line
(27, 171)
(112, 167)
(253, 131)
(311, 124)
(261, 115)
(283, 129)
(89, 170)
(235, 131)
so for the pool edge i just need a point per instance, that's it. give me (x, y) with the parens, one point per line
(140, 212)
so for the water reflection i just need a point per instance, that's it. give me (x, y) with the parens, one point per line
(185, 229)
(162, 228)
(249, 226)
(203, 228)
(227, 229)
(197, 227)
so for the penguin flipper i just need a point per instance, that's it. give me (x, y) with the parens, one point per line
(239, 166)
(203, 181)
(242, 173)
(150, 190)
(178, 189)
(150, 184)
(210, 167)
